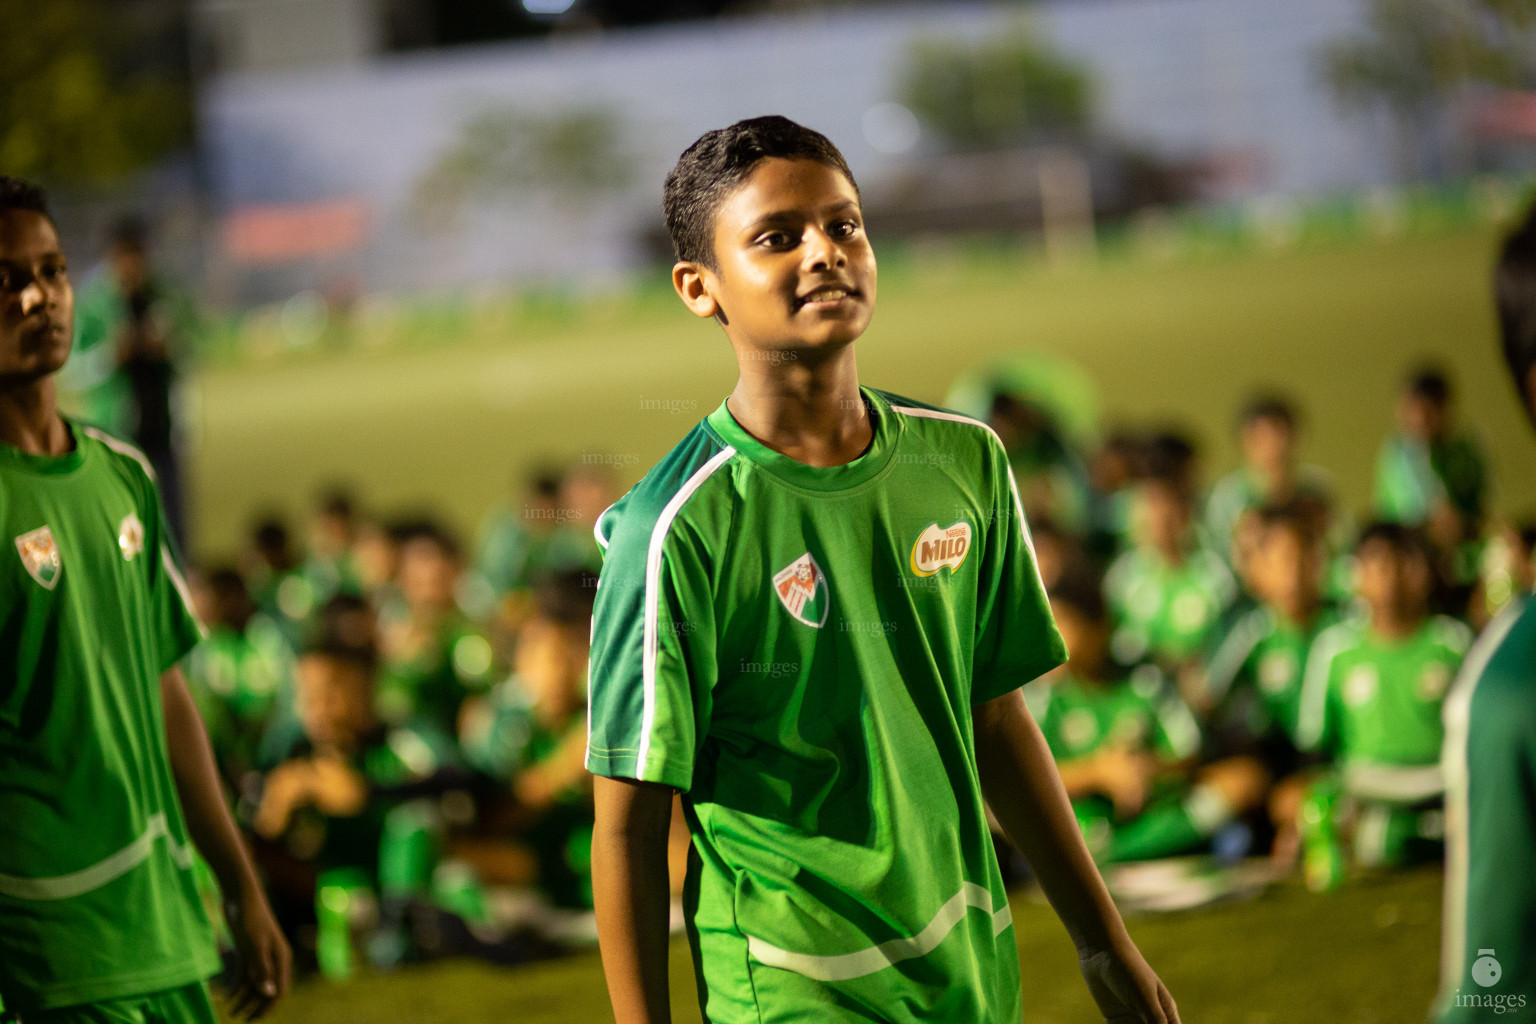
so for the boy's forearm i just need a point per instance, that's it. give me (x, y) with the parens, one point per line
(632, 896)
(202, 799)
(1026, 794)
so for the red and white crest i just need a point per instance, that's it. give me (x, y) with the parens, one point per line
(802, 589)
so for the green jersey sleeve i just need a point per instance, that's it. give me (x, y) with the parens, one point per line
(653, 667)
(1016, 636)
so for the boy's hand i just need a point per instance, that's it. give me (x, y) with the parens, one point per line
(1125, 988)
(265, 958)
(336, 787)
(286, 788)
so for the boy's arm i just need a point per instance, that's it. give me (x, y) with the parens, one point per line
(632, 896)
(263, 949)
(1025, 792)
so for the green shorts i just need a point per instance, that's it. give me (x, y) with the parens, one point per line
(189, 1004)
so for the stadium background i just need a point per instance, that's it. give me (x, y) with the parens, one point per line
(1291, 239)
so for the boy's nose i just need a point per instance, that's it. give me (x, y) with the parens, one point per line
(33, 298)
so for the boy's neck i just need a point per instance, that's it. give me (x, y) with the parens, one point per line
(809, 409)
(1396, 624)
(1301, 615)
(30, 420)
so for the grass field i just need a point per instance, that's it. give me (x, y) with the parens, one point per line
(1364, 955)
(450, 424)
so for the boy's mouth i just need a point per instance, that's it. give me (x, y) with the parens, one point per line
(827, 294)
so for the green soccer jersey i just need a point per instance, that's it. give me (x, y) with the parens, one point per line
(1165, 612)
(799, 649)
(1376, 703)
(97, 899)
(1490, 818)
(1142, 713)
(1257, 670)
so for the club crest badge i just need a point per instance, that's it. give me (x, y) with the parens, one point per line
(40, 555)
(130, 537)
(937, 548)
(802, 589)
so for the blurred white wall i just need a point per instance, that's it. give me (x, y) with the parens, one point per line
(1187, 78)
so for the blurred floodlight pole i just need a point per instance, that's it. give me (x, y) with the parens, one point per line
(1066, 204)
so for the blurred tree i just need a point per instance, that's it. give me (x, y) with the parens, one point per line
(569, 156)
(78, 104)
(996, 93)
(1416, 56)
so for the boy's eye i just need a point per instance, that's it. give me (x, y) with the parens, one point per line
(776, 239)
(844, 229)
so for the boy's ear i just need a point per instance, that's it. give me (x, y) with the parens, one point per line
(693, 283)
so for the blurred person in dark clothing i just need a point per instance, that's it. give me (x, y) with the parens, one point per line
(132, 328)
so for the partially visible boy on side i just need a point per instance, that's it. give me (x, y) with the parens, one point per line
(817, 630)
(99, 914)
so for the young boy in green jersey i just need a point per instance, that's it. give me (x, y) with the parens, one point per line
(1167, 593)
(814, 619)
(340, 800)
(1254, 677)
(99, 914)
(434, 657)
(529, 735)
(239, 671)
(1488, 957)
(1123, 744)
(1271, 474)
(1373, 691)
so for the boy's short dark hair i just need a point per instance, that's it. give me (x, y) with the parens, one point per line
(344, 631)
(130, 233)
(1430, 384)
(565, 598)
(1403, 539)
(16, 194)
(1296, 516)
(719, 161)
(336, 501)
(1514, 286)
(1169, 458)
(429, 530)
(1082, 589)
(1267, 407)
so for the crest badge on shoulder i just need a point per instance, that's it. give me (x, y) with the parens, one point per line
(40, 555)
(802, 589)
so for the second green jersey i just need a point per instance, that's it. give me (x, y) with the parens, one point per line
(97, 899)
(1376, 703)
(799, 650)
(1258, 667)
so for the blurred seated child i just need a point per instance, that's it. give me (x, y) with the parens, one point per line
(529, 735)
(434, 656)
(1271, 474)
(1112, 474)
(1372, 697)
(514, 549)
(1123, 745)
(332, 530)
(1166, 595)
(272, 578)
(1254, 679)
(238, 672)
(1433, 476)
(345, 796)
